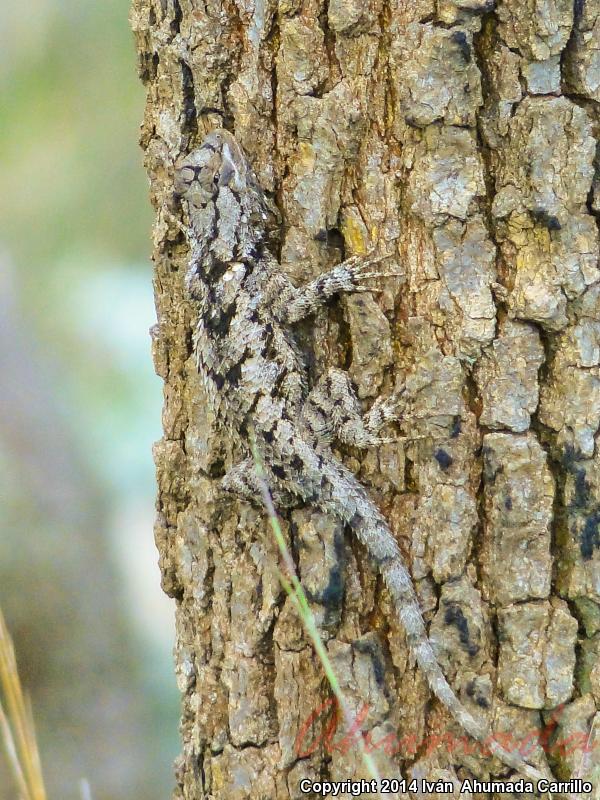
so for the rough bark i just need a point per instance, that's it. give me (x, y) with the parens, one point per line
(459, 135)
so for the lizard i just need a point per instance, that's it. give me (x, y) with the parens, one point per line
(257, 385)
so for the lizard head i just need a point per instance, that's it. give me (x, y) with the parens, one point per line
(226, 206)
(217, 164)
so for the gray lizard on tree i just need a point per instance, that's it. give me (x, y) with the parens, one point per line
(257, 384)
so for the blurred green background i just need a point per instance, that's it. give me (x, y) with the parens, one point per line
(80, 403)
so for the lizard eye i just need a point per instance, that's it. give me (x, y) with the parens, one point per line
(216, 178)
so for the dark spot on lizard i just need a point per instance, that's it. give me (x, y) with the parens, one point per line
(454, 615)
(254, 252)
(219, 322)
(508, 503)
(217, 270)
(320, 284)
(443, 458)
(355, 521)
(219, 380)
(296, 463)
(275, 390)
(234, 375)
(456, 427)
(279, 472)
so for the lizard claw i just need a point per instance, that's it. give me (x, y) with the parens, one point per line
(365, 275)
(363, 289)
(361, 269)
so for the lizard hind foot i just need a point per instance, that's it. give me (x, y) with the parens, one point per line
(242, 482)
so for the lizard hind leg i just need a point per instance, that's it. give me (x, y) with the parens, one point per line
(242, 481)
(332, 410)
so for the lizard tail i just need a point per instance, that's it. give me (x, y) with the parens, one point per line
(377, 537)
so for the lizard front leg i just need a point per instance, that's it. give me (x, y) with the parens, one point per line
(291, 304)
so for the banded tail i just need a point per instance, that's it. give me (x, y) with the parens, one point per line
(348, 500)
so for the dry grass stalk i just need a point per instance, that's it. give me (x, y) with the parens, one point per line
(16, 724)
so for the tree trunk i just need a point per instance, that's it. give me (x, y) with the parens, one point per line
(460, 138)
